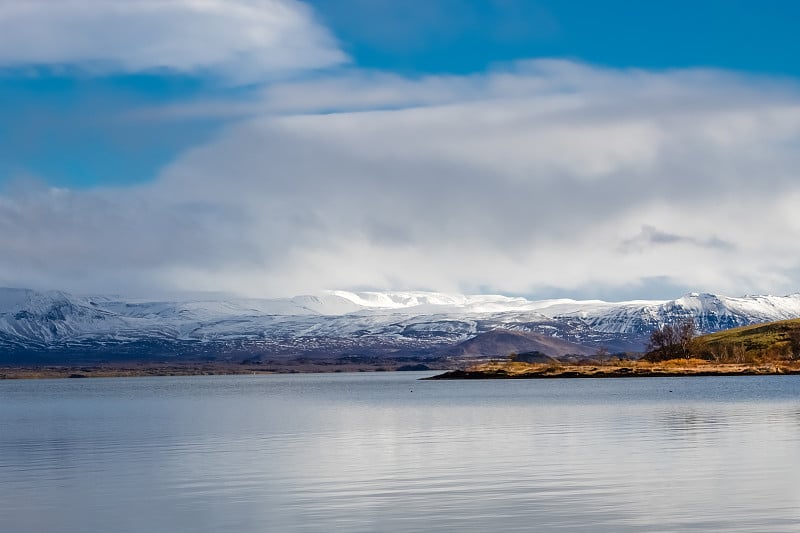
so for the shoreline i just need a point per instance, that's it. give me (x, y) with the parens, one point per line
(492, 370)
(632, 369)
(133, 370)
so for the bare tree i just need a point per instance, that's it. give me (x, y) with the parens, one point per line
(672, 342)
(661, 342)
(685, 331)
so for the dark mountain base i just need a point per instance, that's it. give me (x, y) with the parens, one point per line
(203, 368)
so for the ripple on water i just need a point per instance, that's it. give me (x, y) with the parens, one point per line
(360, 453)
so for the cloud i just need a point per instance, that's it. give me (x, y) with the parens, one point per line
(239, 40)
(650, 236)
(525, 179)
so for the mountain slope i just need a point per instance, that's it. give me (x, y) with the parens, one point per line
(59, 325)
(501, 342)
(779, 339)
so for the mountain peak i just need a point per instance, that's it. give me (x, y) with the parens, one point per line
(352, 322)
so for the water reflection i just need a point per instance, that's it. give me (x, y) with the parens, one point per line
(692, 421)
(360, 453)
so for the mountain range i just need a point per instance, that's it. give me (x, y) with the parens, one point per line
(57, 326)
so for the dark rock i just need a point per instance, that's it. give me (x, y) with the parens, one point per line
(413, 368)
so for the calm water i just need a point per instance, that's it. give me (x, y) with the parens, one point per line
(362, 452)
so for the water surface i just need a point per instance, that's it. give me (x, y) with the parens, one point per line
(385, 452)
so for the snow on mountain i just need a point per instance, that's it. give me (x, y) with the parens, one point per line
(710, 312)
(351, 322)
(420, 301)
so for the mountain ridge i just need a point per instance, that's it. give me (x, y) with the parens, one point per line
(57, 324)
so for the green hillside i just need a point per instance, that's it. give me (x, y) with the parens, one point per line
(773, 340)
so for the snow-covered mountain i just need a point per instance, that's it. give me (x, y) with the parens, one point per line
(337, 323)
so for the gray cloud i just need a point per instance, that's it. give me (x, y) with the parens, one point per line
(521, 180)
(651, 236)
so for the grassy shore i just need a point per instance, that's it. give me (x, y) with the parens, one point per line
(672, 368)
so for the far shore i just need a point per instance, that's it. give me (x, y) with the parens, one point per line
(489, 370)
(140, 369)
(627, 369)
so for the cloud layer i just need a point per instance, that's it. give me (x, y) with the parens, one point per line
(239, 40)
(545, 177)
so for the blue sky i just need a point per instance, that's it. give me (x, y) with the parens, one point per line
(71, 128)
(468, 35)
(613, 149)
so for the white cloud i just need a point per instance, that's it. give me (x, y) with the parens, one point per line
(533, 179)
(241, 40)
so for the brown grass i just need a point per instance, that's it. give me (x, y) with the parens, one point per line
(674, 367)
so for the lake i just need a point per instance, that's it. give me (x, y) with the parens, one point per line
(385, 452)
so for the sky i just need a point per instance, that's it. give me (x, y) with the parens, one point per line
(267, 148)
